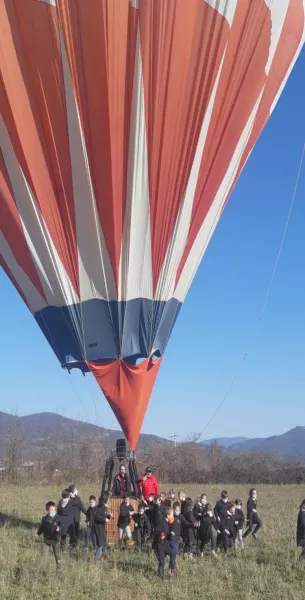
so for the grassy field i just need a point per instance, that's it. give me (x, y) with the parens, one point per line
(267, 570)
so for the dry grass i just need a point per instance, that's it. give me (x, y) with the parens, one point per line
(268, 570)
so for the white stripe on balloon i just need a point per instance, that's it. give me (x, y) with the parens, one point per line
(135, 272)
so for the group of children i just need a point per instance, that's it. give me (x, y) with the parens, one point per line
(161, 523)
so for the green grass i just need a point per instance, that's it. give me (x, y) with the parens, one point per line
(268, 570)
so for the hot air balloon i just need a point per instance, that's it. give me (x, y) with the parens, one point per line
(124, 127)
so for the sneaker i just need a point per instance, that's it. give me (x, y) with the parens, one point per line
(214, 553)
(86, 549)
(254, 535)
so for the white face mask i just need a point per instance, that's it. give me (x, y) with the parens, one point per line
(92, 503)
(210, 513)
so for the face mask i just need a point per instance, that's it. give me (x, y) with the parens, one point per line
(177, 513)
(52, 514)
(92, 503)
(225, 500)
(210, 513)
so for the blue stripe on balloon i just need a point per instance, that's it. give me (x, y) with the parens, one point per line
(100, 331)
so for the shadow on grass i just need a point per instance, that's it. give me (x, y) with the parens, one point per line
(126, 567)
(14, 521)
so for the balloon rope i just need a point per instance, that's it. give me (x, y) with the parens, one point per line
(266, 298)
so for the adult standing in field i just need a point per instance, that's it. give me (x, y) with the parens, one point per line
(149, 485)
(121, 483)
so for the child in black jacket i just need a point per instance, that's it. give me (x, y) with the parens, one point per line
(227, 528)
(301, 530)
(200, 506)
(208, 525)
(90, 534)
(126, 512)
(50, 528)
(101, 517)
(178, 525)
(65, 511)
(78, 507)
(162, 543)
(188, 531)
(239, 519)
(142, 531)
(220, 511)
(252, 516)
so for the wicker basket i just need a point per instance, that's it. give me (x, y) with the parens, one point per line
(112, 527)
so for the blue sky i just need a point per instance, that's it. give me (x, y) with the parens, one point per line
(217, 321)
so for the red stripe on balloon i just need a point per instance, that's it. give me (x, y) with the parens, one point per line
(288, 44)
(35, 118)
(182, 48)
(100, 39)
(13, 231)
(241, 82)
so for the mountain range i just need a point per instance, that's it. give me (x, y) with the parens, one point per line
(288, 444)
(41, 429)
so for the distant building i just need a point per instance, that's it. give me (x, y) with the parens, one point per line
(29, 466)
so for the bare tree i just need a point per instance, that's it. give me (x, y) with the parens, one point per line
(14, 451)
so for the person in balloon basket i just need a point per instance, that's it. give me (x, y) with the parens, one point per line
(162, 543)
(239, 520)
(149, 484)
(121, 484)
(90, 533)
(126, 512)
(102, 516)
(65, 511)
(78, 507)
(50, 528)
(254, 522)
(208, 525)
(220, 512)
(301, 530)
(142, 531)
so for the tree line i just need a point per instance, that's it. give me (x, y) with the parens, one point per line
(66, 457)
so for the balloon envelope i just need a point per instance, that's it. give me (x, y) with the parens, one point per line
(124, 127)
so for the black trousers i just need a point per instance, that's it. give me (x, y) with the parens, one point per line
(254, 525)
(164, 549)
